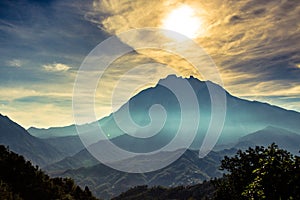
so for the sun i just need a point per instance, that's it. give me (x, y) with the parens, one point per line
(183, 20)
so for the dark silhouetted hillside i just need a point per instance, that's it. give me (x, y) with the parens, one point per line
(20, 180)
(259, 173)
(201, 191)
(283, 138)
(20, 141)
(106, 182)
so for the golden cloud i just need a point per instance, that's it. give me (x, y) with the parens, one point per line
(56, 67)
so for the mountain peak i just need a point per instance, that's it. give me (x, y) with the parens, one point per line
(174, 77)
(179, 81)
(264, 137)
(20, 141)
(5, 120)
(2, 117)
(171, 77)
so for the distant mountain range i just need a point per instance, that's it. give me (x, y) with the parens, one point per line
(20, 141)
(86, 170)
(69, 145)
(60, 152)
(283, 138)
(106, 182)
(53, 131)
(242, 116)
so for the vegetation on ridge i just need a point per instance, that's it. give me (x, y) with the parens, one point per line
(20, 180)
(259, 173)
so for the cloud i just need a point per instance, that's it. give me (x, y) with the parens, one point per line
(118, 16)
(14, 63)
(38, 115)
(245, 36)
(56, 67)
(35, 34)
(254, 44)
(23, 105)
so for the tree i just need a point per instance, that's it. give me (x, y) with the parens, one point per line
(260, 173)
(20, 180)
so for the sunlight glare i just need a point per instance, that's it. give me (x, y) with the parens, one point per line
(184, 21)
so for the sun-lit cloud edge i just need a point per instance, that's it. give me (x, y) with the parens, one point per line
(256, 43)
(56, 67)
(260, 45)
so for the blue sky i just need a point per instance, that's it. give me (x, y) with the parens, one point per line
(255, 46)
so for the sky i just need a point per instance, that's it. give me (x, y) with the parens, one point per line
(254, 44)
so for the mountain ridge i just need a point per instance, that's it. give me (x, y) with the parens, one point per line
(106, 182)
(283, 138)
(20, 141)
(70, 130)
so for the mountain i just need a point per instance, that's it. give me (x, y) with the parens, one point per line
(20, 141)
(53, 131)
(20, 180)
(69, 145)
(106, 182)
(283, 138)
(85, 159)
(79, 160)
(71, 130)
(242, 117)
(189, 169)
(273, 172)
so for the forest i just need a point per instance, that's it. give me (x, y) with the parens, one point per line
(19, 179)
(256, 173)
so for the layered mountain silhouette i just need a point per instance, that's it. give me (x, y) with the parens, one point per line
(53, 131)
(69, 145)
(60, 151)
(283, 138)
(20, 180)
(242, 117)
(21, 142)
(106, 182)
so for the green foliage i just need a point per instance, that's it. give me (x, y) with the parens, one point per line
(260, 173)
(20, 180)
(200, 192)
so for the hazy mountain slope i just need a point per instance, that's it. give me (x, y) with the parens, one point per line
(69, 145)
(53, 131)
(56, 132)
(187, 170)
(85, 159)
(283, 138)
(80, 159)
(21, 142)
(242, 116)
